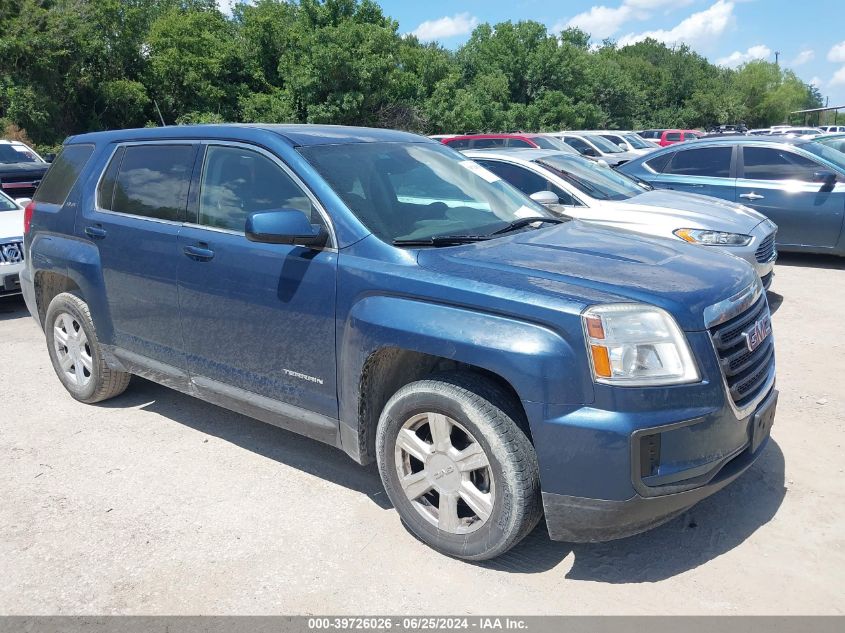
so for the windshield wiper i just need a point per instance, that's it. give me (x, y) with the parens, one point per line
(442, 240)
(523, 222)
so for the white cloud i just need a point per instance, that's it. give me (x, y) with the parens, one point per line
(816, 81)
(441, 28)
(837, 53)
(803, 57)
(838, 78)
(699, 28)
(225, 6)
(737, 58)
(602, 21)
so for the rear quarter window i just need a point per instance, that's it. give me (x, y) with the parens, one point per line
(63, 174)
(658, 163)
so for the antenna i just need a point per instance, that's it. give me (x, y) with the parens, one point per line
(163, 124)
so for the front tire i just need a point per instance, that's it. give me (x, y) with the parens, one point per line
(457, 467)
(76, 354)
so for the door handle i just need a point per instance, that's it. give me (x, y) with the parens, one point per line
(199, 253)
(95, 232)
(751, 196)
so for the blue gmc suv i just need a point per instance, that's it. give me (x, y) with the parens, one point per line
(374, 290)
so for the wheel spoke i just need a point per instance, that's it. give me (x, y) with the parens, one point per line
(67, 324)
(87, 361)
(441, 430)
(78, 370)
(411, 443)
(471, 458)
(415, 485)
(60, 336)
(65, 362)
(480, 502)
(447, 514)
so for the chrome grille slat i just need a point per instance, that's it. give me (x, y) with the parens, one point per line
(11, 252)
(766, 251)
(746, 372)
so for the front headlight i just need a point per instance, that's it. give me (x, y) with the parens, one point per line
(632, 345)
(712, 238)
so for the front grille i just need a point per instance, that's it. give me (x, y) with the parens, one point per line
(746, 372)
(766, 251)
(11, 252)
(20, 186)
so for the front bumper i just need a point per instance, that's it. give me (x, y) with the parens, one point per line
(580, 520)
(10, 283)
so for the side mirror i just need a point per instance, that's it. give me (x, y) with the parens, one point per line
(623, 147)
(50, 157)
(546, 198)
(827, 178)
(284, 226)
(589, 151)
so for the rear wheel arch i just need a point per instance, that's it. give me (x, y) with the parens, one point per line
(49, 284)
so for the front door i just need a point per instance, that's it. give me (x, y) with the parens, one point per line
(781, 185)
(703, 170)
(258, 320)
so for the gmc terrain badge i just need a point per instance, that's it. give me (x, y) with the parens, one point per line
(758, 333)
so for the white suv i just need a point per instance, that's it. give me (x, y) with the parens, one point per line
(11, 245)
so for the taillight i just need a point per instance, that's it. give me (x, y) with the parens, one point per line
(27, 217)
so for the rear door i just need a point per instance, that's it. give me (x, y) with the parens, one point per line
(257, 320)
(133, 219)
(705, 170)
(781, 184)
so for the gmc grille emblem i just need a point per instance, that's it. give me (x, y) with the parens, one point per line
(758, 333)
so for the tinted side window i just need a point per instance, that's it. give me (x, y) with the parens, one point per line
(523, 179)
(487, 143)
(518, 142)
(707, 161)
(237, 182)
(673, 136)
(458, 144)
(689, 136)
(765, 163)
(105, 191)
(63, 174)
(577, 143)
(658, 163)
(153, 181)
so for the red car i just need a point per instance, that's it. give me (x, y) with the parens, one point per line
(491, 141)
(670, 137)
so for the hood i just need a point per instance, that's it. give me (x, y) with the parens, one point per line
(588, 264)
(692, 211)
(620, 157)
(11, 223)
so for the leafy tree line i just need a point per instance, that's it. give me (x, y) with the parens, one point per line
(69, 66)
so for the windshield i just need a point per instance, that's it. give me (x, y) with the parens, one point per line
(6, 203)
(600, 183)
(17, 154)
(603, 144)
(636, 142)
(836, 142)
(829, 154)
(416, 191)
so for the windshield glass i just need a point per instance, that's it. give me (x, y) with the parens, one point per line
(416, 191)
(600, 183)
(831, 155)
(603, 144)
(6, 203)
(17, 154)
(636, 142)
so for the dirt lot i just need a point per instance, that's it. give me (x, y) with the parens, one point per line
(155, 503)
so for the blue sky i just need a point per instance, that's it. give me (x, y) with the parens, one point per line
(810, 35)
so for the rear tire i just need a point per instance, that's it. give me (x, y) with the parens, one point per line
(457, 466)
(76, 354)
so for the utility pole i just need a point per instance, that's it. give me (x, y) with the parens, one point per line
(777, 56)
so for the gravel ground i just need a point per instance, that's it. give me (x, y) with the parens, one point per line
(156, 503)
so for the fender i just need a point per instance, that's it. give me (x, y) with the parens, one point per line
(539, 363)
(79, 261)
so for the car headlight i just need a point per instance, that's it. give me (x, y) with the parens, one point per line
(712, 238)
(632, 344)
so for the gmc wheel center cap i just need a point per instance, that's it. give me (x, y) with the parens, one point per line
(443, 473)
